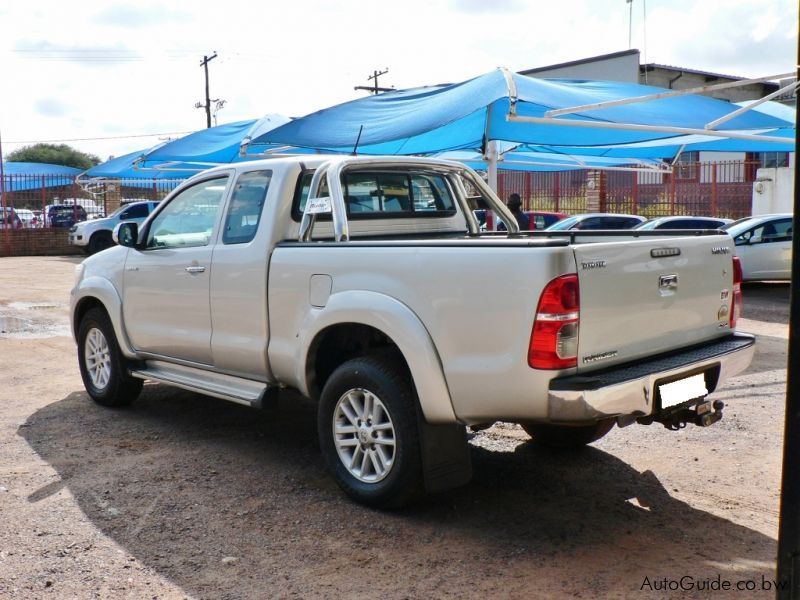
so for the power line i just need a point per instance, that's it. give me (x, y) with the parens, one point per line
(92, 139)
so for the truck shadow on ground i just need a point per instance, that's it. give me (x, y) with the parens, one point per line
(182, 482)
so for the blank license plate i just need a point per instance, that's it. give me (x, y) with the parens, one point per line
(682, 390)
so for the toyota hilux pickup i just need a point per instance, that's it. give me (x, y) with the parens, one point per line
(366, 285)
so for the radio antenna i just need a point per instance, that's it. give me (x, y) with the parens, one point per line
(358, 139)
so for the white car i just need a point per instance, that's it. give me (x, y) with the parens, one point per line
(95, 235)
(764, 245)
(26, 216)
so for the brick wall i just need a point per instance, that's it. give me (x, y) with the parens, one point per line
(35, 242)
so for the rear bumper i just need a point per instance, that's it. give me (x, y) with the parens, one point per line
(630, 389)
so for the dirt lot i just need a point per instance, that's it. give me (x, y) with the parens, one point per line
(182, 496)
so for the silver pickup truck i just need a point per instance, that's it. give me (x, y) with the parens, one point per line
(366, 284)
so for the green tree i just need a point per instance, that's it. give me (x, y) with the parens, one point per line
(54, 154)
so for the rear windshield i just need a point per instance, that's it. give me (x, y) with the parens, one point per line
(379, 194)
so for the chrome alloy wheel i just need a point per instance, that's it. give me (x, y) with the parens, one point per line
(364, 435)
(97, 357)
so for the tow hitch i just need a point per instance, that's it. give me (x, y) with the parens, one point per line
(702, 414)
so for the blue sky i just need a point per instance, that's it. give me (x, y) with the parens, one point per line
(116, 69)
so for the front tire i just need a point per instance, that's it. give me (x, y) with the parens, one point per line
(368, 433)
(566, 436)
(99, 241)
(103, 368)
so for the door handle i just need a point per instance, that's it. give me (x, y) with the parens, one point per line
(195, 269)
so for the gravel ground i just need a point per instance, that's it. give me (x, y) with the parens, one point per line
(183, 496)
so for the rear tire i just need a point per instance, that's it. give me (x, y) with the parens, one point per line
(103, 368)
(99, 241)
(368, 433)
(566, 436)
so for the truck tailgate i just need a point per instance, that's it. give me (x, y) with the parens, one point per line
(642, 297)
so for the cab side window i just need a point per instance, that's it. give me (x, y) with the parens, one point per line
(188, 220)
(135, 212)
(244, 211)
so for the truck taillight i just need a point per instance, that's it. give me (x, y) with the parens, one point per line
(736, 304)
(554, 339)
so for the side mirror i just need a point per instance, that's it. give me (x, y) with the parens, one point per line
(126, 234)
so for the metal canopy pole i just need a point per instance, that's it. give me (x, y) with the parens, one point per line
(4, 220)
(671, 94)
(736, 135)
(491, 159)
(788, 574)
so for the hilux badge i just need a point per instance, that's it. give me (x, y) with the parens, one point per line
(593, 264)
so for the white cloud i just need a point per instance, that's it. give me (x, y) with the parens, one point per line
(133, 67)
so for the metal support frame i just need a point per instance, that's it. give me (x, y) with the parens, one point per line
(549, 116)
(788, 88)
(672, 93)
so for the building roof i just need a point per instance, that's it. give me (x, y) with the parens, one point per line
(582, 61)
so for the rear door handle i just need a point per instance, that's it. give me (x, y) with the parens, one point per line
(195, 269)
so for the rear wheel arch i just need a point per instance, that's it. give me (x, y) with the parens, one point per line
(337, 344)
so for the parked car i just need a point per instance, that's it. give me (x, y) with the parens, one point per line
(64, 215)
(539, 219)
(26, 216)
(9, 219)
(593, 221)
(764, 246)
(93, 210)
(684, 222)
(95, 235)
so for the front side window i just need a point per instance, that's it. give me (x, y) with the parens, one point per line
(188, 220)
(244, 212)
(137, 211)
(766, 233)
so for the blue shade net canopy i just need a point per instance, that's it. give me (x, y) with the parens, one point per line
(186, 156)
(504, 106)
(24, 176)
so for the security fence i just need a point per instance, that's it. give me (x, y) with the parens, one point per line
(719, 189)
(37, 211)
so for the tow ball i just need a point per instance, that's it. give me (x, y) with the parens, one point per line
(702, 414)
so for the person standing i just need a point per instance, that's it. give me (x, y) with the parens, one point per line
(514, 204)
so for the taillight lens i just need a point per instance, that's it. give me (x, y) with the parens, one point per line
(736, 304)
(554, 339)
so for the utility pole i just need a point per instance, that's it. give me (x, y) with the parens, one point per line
(788, 573)
(207, 105)
(630, 21)
(374, 89)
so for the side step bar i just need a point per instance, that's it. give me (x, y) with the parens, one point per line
(234, 389)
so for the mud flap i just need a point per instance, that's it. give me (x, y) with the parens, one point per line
(446, 461)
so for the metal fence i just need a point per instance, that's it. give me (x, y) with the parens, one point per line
(719, 189)
(30, 197)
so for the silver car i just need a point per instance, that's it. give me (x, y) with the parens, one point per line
(597, 221)
(684, 222)
(764, 245)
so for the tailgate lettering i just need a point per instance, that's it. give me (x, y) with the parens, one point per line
(593, 264)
